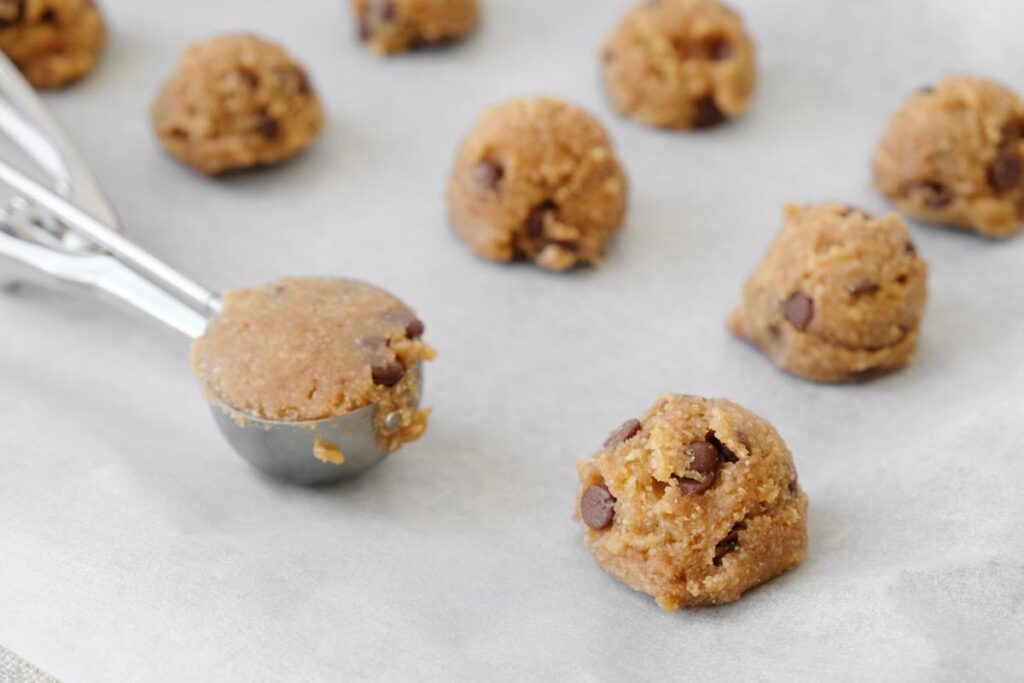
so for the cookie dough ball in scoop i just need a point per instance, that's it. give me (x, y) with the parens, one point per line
(235, 102)
(954, 154)
(390, 26)
(694, 503)
(679, 64)
(537, 179)
(838, 297)
(52, 42)
(304, 349)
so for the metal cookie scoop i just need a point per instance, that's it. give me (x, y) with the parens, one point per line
(75, 238)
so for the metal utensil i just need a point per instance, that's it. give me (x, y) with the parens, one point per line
(72, 234)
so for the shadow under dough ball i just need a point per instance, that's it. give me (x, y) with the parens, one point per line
(234, 102)
(537, 179)
(694, 503)
(838, 297)
(680, 64)
(392, 26)
(954, 154)
(52, 42)
(303, 349)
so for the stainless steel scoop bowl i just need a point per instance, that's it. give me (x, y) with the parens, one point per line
(72, 234)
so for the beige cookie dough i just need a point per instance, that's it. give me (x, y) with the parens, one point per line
(838, 297)
(679, 64)
(52, 42)
(954, 154)
(537, 179)
(311, 348)
(694, 503)
(234, 102)
(390, 26)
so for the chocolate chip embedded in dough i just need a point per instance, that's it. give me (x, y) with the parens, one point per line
(723, 450)
(414, 327)
(936, 196)
(706, 113)
(863, 288)
(728, 544)
(721, 49)
(488, 174)
(1005, 172)
(798, 309)
(704, 460)
(266, 125)
(11, 12)
(535, 221)
(597, 507)
(387, 374)
(627, 431)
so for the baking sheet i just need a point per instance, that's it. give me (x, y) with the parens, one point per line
(135, 546)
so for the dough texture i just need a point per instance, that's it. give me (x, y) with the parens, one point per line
(694, 503)
(838, 297)
(312, 348)
(391, 26)
(52, 42)
(236, 101)
(679, 64)
(537, 179)
(954, 154)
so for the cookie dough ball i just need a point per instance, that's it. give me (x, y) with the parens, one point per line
(537, 179)
(390, 26)
(52, 42)
(679, 64)
(235, 102)
(838, 297)
(954, 154)
(312, 348)
(694, 503)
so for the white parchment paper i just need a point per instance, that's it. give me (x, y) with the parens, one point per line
(134, 545)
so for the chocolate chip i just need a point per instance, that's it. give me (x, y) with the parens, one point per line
(798, 310)
(48, 16)
(488, 174)
(414, 327)
(1005, 172)
(249, 77)
(1013, 131)
(383, 11)
(730, 543)
(867, 373)
(626, 432)
(706, 113)
(723, 450)
(903, 279)
(936, 196)
(388, 374)
(535, 221)
(294, 74)
(704, 460)
(862, 288)
(11, 12)
(793, 486)
(597, 507)
(266, 125)
(720, 49)
(910, 248)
